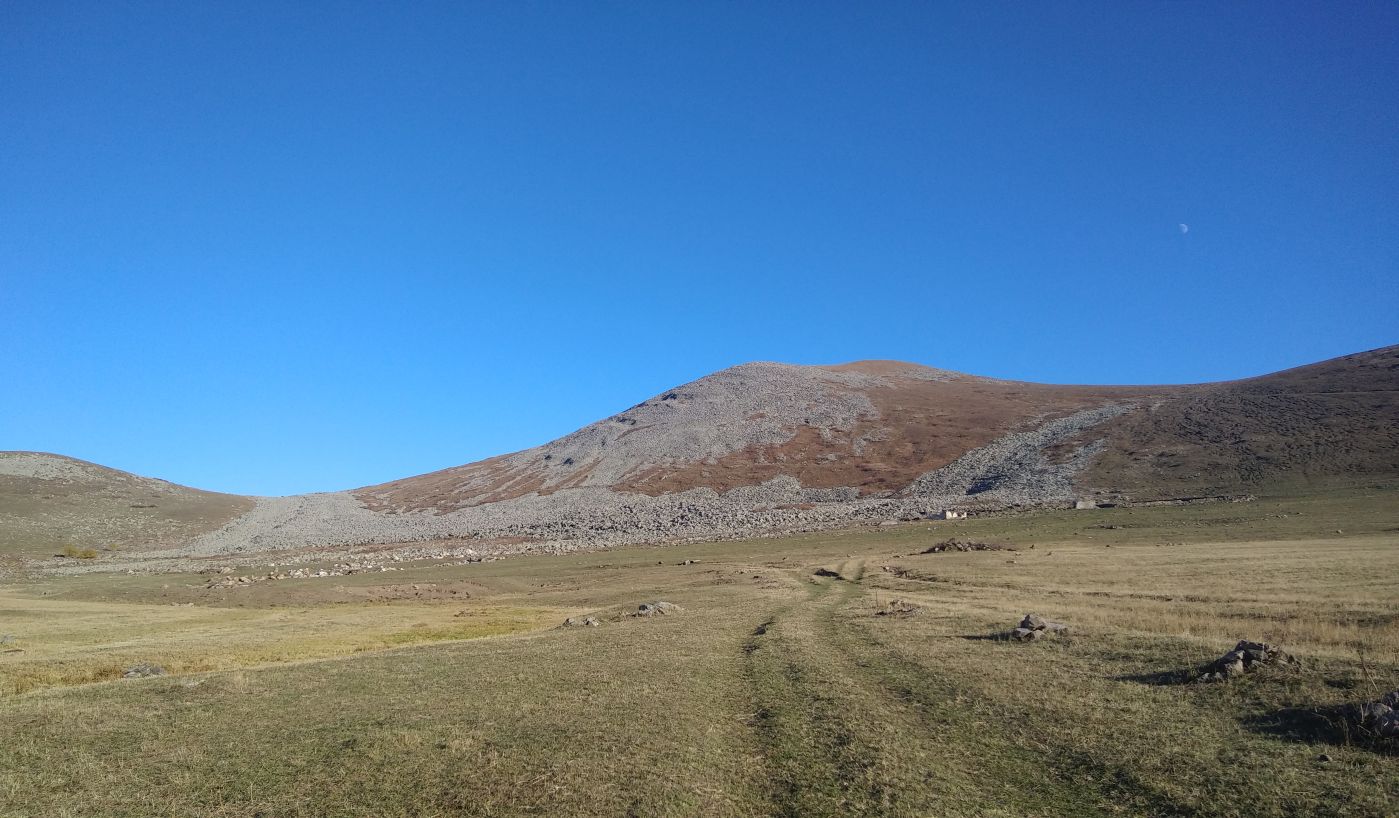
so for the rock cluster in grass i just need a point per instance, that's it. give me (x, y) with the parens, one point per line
(1034, 627)
(581, 622)
(1380, 717)
(898, 607)
(142, 671)
(963, 545)
(1245, 657)
(657, 608)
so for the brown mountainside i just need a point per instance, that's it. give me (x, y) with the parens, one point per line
(876, 426)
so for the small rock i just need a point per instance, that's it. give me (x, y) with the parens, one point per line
(143, 670)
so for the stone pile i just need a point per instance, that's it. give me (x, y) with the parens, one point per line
(1244, 658)
(1380, 717)
(341, 570)
(1034, 627)
(898, 607)
(143, 670)
(581, 622)
(963, 545)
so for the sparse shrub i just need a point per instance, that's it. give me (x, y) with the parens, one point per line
(74, 552)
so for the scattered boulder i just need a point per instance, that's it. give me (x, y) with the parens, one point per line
(581, 622)
(963, 545)
(1244, 658)
(142, 671)
(826, 572)
(898, 607)
(656, 608)
(1035, 627)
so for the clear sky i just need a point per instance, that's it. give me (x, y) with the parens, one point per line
(282, 247)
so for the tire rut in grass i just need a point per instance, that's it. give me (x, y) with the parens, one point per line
(820, 755)
(1056, 781)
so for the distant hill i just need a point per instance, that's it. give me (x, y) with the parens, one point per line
(1335, 421)
(48, 501)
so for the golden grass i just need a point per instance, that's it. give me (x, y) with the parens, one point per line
(1322, 597)
(772, 693)
(66, 642)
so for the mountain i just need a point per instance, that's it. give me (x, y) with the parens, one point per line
(48, 501)
(882, 427)
(768, 447)
(866, 428)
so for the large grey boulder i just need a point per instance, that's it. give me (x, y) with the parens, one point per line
(656, 608)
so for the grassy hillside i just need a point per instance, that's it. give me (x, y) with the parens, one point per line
(49, 502)
(1330, 423)
(774, 692)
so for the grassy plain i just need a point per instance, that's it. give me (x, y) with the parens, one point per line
(773, 692)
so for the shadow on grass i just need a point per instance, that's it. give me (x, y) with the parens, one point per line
(1332, 725)
(1162, 678)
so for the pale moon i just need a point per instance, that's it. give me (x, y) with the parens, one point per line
(1184, 228)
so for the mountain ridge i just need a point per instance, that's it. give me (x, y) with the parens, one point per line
(767, 446)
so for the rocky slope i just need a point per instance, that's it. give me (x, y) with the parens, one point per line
(870, 427)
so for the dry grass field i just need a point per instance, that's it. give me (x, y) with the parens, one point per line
(773, 692)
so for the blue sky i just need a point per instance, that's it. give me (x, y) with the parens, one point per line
(278, 247)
